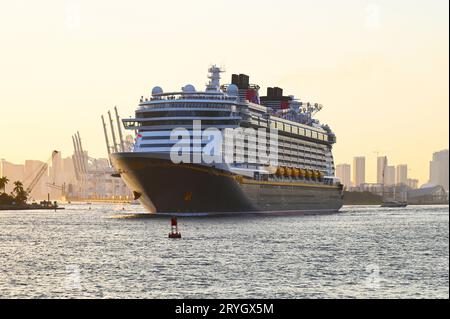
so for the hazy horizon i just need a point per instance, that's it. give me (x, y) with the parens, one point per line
(380, 68)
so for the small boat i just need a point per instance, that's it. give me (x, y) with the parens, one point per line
(394, 203)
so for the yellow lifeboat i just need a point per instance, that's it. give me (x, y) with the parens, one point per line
(308, 173)
(302, 172)
(316, 174)
(295, 172)
(280, 171)
(288, 172)
(321, 175)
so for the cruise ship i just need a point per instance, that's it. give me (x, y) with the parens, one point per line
(228, 150)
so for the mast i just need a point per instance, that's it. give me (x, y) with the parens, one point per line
(214, 78)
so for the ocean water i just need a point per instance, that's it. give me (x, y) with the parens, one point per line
(116, 251)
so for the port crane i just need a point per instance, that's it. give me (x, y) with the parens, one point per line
(42, 169)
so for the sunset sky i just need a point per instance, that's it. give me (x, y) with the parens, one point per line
(380, 68)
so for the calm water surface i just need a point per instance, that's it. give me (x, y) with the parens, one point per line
(363, 252)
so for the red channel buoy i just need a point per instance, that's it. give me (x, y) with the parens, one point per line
(174, 229)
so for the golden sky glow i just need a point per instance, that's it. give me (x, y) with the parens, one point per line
(380, 68)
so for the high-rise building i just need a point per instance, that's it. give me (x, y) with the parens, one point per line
(69, 170)
(382, 162)
(55, 176)
(14, 172)
(56, 170)
(359, 170)
(343, 173)
(401, 174)
(439, 169)
(31, 170)
(389, 175)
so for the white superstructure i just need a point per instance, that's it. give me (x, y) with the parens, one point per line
(303, 143)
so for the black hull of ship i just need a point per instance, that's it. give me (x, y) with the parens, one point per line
(192, 189)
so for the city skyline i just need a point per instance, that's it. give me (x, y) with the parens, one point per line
(355, 174)
(391, 172)
(61, 171)
(61, 178)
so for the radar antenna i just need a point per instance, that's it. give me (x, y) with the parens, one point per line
(214, 78)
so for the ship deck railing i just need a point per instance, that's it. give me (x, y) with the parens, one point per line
(191, 96)
(186, 106)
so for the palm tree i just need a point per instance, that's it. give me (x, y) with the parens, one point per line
(21, 194)
(3, 181)
(18, 187)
